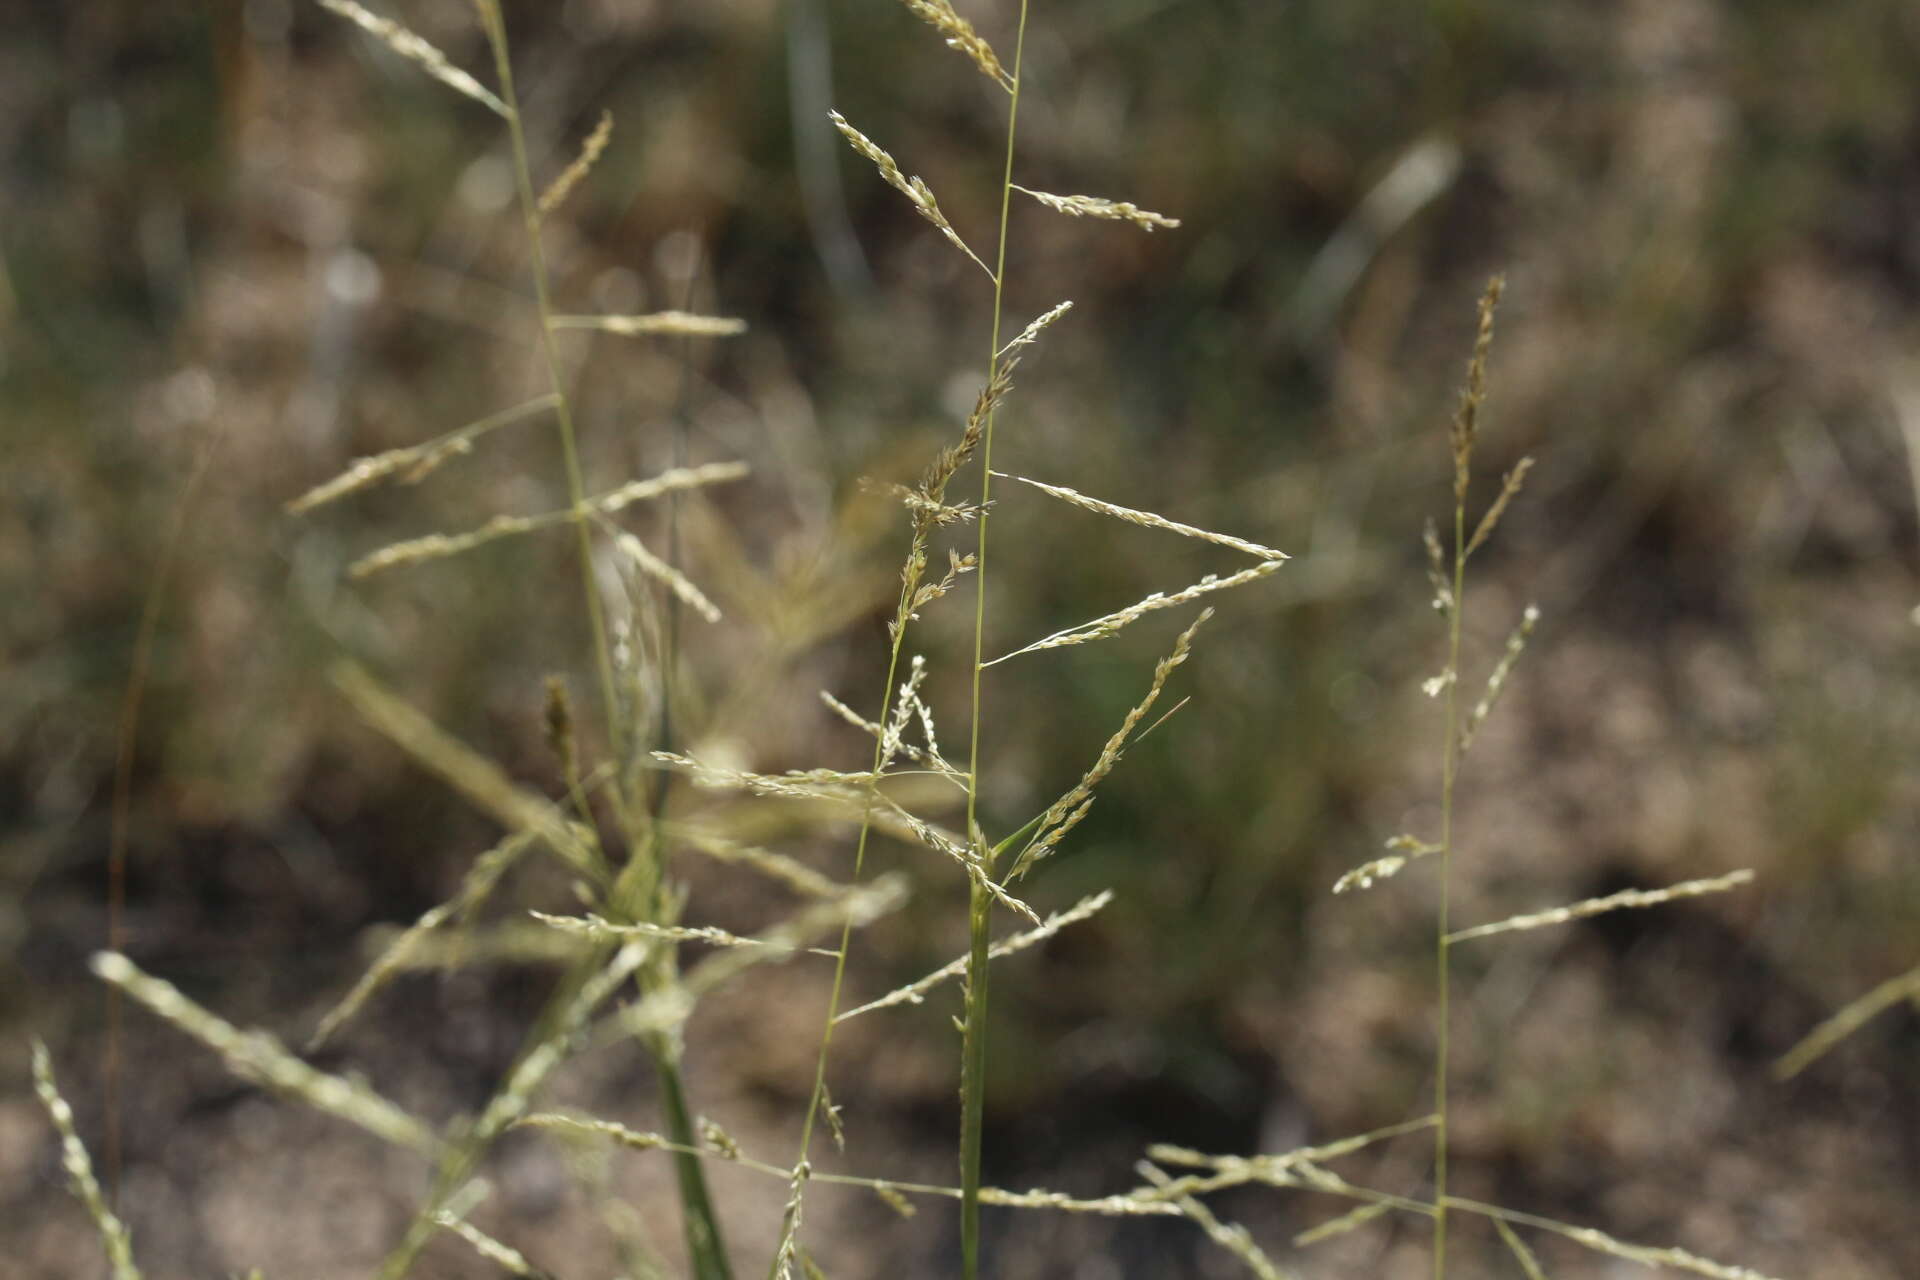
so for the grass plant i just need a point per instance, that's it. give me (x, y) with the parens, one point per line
(623, 979)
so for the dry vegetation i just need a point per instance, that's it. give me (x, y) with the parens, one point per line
(655, 991)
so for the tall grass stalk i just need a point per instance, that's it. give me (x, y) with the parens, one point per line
(973, 1073)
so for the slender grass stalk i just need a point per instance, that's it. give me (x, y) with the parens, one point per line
(637, 889)
(1443, 946)
(973, 1069)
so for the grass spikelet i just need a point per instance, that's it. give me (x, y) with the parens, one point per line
(601, 930)
(487, 870)
(677, 582)
(504, 1256)
(1518, 1248)
(1465, 427)
(1352, 1220)
(258, 1056)
(682, 324)
(415, 462)
(1233, 1237)
(1033, 331)
(480, 780)
(1112, 623)
(1600, 1242)
(1509, 487)
(1847, 1021)
(1279, 1170)
(1367, 874)
(619, 1133)
(561, 187)
(1148, 519)
(1624, 900)
(915, 992)
(1497, 679)
(417, 51)
(797, 876)
(79, 1168)
(959, 34)
(914, 189)
(439, 546)
(1096, 207)
(1063, 814)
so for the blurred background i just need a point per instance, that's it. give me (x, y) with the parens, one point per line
(242, 245)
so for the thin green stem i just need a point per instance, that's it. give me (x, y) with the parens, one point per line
(973, 1073)
(1450, 762)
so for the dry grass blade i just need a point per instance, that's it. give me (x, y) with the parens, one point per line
(480, 780)
(1065, 813)
(415, 462)
(1518, 1248)
(439, 546)
(914, 189)
(570, 177)
(418, 51)
(1112, 623)
(504, 1256)
(796, 876)
(1624, 900)
(1148, 519)
(1096, 207)
(1844, 1023)
(257, 1056)
(959, 33)
(79, 1168)
(474, 889)
(915, 992)
(684, 324)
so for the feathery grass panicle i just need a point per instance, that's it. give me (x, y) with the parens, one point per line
(959, 33)
(677, 582)
(258, 1056)
(79, 1168)
(504, 1256)
(1407, 849)
(1848, 1020)
(1111, 624)
(915, 992)
(1509, 487)
(1232, 1237)
(682, 324)
(479, 882)
(1352, 1220)
(417, 51)
(1466, 419)
(602, 930)
(480, 780)
(439, 546)
(914, 189)
(1624, 900)
(795, 875)
(1600, 1242)
(1096, 207)
(561, 187)
(1030, 334)
(415, 462)
(1518, 1248)
(1148, 519)
(1065, 813)
(1497, 679)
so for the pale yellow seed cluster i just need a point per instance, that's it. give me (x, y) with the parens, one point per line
(416, 50)
(1367, 874)
(570, 177)
(683, 324)
(1232, 1237)
(415, 462)
(1497, 681)
(1097, 207)
(504, 1256)
(1148, 519)
(1102, 627)
(677, 582)
(959, 33)
(257, 1056)
(1624, 900)
(73, 1158)
(1040, 325)
(602, 930)
(914, 189)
